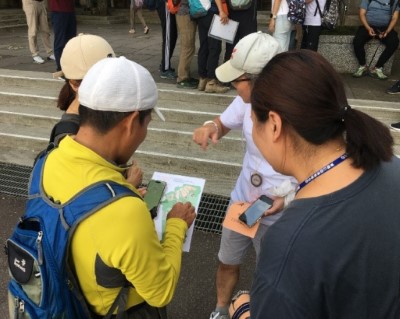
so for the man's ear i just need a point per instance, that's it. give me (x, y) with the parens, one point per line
(132, 122)
(275, 125)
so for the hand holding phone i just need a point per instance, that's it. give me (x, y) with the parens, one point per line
(255, 211)
(154, 193)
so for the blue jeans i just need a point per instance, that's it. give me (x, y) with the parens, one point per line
(283, 28)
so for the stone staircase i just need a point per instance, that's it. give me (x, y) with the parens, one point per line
(12, 18)
(28, 112)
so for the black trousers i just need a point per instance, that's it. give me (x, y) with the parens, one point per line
(311, 35)
(247, 24)
(64, 28)
(391, 42)
(169, 35)
(209, 50)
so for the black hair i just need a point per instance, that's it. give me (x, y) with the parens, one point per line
(103, 121)
(308, 94)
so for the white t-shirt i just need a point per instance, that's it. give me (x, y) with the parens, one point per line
(283, 8)
(238, 116)
(310, 11)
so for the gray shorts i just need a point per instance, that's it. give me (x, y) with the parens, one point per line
(234, 246)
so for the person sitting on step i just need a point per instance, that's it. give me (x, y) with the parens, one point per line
(378, 20)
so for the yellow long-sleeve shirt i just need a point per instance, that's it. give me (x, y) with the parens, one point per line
(122, 233)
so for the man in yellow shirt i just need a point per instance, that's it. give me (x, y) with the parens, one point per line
(116, 99)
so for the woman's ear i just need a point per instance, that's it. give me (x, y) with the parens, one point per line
(275, 125)
(74, 86)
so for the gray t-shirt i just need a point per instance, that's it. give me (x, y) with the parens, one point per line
(379, 13)
(334, 256)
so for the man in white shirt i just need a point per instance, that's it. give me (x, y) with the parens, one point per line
(257, 177)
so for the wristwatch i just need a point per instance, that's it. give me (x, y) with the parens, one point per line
(272, 16)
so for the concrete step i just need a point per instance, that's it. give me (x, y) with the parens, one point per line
(10, 27)
(11, 21)
(220, 175)
(161, 136)
(28, 112)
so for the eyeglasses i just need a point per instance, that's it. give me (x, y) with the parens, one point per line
(241, 80)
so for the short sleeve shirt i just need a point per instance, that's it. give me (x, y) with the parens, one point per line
(379, 13)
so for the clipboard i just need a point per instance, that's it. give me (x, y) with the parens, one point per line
(232, 222)
(226, 32)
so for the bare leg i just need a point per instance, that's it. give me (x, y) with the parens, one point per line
(140, 16)
(132, 18)
(227, 278)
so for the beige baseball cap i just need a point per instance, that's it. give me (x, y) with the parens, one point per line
(80, 53)
(250, 55)
(119, 85)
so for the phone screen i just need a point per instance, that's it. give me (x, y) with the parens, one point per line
(154, 193)
(252, 214)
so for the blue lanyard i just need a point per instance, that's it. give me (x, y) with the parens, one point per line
(321, 171)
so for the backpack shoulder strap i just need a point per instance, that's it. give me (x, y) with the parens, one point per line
(85, 203)
(35, 179)
(63, 127)
(93, 198)
(318, 9)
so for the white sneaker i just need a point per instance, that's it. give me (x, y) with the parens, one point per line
(38, 59)
(217, 315)
(51, 57)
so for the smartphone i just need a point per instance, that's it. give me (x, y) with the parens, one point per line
(255, 211)
(154, 193)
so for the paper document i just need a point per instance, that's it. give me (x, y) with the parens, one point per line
(226, 32)
(232, 221)
(179, 189)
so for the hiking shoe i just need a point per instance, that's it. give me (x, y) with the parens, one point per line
(395, 126)
(202, 84)
(146, 29)
(38, 59)
(51, 57)
(395, 89)
(132, 31)
(377, 73)
(361, 71)
(213, 86)
(186, 84)
(216, 315)
(168, 74)
(195, 81)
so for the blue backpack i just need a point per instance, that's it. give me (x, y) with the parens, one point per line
(43, 284)
(199, 8)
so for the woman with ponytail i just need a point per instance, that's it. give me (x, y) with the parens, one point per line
(335, 252)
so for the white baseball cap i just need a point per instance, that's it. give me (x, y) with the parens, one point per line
(249, 55)
(80, 53)
(119, 85)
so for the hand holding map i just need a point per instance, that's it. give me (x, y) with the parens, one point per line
(179, 189)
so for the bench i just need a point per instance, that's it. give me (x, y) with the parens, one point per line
(338, 50)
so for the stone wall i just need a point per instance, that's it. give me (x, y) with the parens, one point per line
(338, 50)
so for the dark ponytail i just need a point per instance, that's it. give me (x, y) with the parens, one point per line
(308, 94)
(67, 94)
(368, 140)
